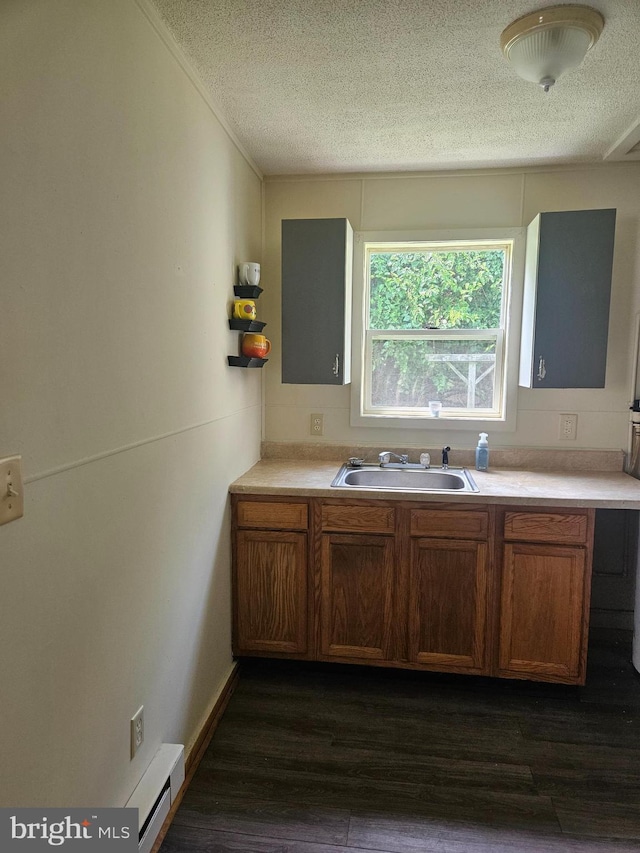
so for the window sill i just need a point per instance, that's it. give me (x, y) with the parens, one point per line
(443, 422)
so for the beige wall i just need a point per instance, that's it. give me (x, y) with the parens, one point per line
(449, 201)
(125, 207)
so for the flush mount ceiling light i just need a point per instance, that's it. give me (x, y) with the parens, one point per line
(543, 45)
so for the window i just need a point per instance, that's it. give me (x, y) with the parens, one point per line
(434, 329)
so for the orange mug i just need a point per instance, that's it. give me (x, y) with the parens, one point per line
(255, 346)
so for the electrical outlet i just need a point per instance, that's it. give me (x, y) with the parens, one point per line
(11, 489)
(317, 424)
(568, 427)
(137, 730)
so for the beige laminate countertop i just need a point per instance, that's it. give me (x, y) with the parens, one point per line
(308, 478)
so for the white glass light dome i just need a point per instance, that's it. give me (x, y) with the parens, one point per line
(543, 45)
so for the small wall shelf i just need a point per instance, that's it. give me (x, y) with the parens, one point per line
(246, 325)
(247, 291)
(246, 361)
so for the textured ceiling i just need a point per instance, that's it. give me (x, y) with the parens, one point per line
(387, 85)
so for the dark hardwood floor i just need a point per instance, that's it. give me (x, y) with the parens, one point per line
(330, 759)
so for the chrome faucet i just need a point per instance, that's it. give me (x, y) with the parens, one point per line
(385, 457)
(445, 457)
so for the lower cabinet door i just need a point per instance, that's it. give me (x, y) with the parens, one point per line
(357, 585)
(270, 592)
(448, 604)
(542, 613)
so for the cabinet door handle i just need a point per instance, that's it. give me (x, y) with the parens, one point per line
(336, 365)
(542, 370)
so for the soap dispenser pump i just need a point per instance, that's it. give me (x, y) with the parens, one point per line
(482, 452)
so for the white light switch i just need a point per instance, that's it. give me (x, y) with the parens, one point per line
(11, 489)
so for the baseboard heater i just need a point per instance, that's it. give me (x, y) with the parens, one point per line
(156, 791)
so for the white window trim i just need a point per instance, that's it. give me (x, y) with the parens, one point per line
(513, 314)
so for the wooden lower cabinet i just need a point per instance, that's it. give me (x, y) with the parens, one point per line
(448, 599)
(542, 620)
(545, 583)
(271, 589)
(357, 593)
(482, 590)
(270, 577)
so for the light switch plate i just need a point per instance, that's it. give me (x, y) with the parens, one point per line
(11, 489)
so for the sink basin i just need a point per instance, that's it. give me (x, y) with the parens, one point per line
(405, 479)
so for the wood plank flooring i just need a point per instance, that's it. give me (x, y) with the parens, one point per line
(332, 759)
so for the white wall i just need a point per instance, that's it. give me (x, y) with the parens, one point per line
(125, 207)
(447, 201)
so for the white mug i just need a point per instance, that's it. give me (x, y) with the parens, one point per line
(249, 273)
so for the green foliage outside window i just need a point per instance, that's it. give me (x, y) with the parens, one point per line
(441, 290)
(447, 290)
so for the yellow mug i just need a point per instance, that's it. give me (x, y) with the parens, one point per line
(255, 346)
(244, 309)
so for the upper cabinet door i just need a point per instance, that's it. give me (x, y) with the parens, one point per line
(316, 301)
(565, 320)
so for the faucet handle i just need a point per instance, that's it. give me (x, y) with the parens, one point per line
(385, 457)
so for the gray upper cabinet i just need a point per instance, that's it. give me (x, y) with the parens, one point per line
(565, 320)
(316, 301)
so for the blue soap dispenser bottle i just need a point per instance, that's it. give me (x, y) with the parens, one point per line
(482, 452)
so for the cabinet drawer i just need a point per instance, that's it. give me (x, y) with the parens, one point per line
(461, 524)
(372, 519)
(560, 527)
(293, 516)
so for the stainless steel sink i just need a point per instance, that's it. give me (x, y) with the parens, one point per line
(405, 479)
